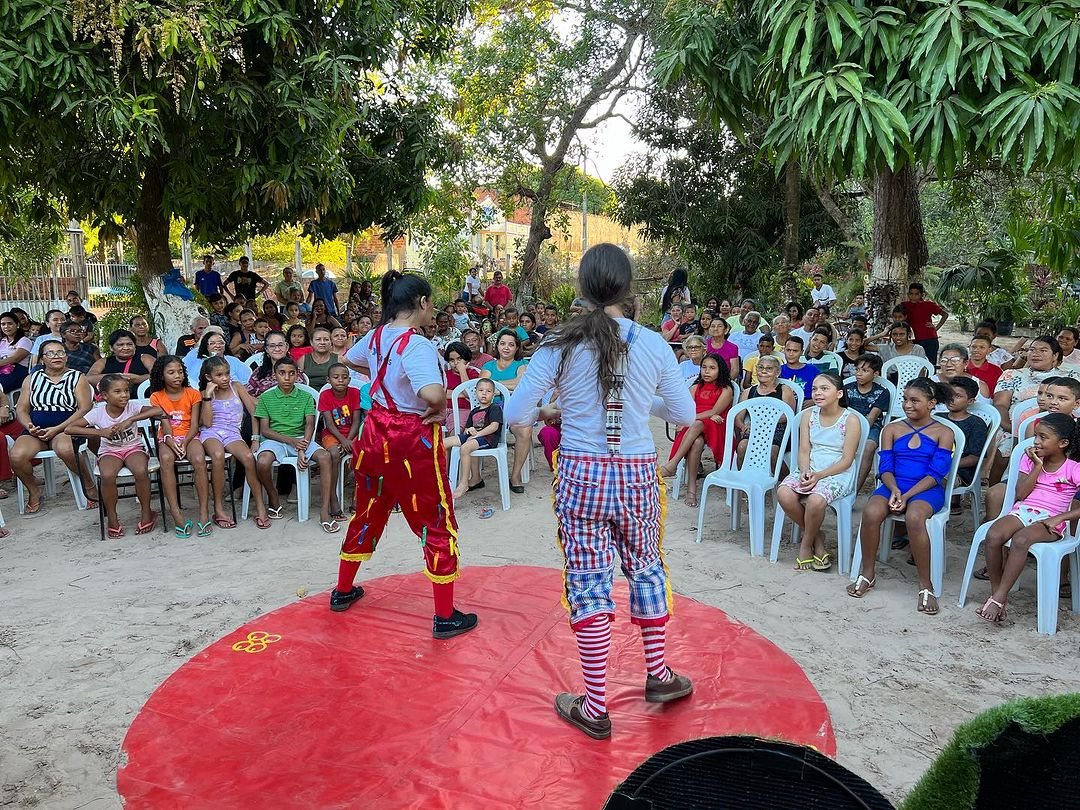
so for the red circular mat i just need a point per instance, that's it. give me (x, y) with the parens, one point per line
(307, 708)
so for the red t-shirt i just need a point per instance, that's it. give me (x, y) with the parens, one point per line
(498, 295)
(918, 315)
(341, 410)
(987, 372)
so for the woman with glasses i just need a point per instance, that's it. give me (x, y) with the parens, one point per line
(52, 398)
(263, 379)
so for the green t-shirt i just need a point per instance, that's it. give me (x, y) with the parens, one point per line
(287, 413)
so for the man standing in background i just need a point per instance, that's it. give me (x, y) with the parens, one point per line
(323, 289)
(498, 294)
(245, 282)
(208, 280)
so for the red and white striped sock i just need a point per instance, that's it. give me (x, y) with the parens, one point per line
(594, 640)
(653, 639)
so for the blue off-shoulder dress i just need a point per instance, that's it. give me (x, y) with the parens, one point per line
(909, 465)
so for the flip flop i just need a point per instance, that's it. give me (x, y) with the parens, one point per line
(853, 589)
(205, 529)
(486, 513)
(986, 604)
(4, 533)
(224, 523)
(184, 531)
(822, 563)
(804, 565)
(115, 531)
(32, 509)
(899, 541)
(275, 514)
(924, 603)
(146, 528)
(330, 526)
(90, 504)
(262, 522)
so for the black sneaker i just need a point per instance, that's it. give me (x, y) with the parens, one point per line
(457, 624)
(343, 601)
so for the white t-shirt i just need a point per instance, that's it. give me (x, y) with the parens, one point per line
(472, 285)
(747, 344)
(7, 347)
(406, 373)
(651, 370)
(999, 357)
(823, 296)
(800, 332)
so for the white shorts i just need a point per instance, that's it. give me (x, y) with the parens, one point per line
(283, 452)
(1030, 515)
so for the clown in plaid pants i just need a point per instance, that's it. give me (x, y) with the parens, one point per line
(608, 505)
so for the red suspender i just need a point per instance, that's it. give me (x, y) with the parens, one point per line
(403, 341)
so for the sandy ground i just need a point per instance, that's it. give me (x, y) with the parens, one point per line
(88, 630)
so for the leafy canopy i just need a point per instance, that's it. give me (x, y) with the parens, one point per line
(256, 115)
(848, 85)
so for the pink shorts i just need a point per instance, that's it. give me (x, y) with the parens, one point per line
(122, 452)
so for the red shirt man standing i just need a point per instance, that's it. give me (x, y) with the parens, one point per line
(498, 294)
(920, 314)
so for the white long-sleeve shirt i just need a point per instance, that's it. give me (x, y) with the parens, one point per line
(653, 384)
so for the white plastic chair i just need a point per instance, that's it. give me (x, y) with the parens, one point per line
(990, 415)
(1017, 411)
(48, 460)
(935, 524)
(843, 507)
(345, 459)
(1030, 421)
(680, 470)
(907, 368)
(468, 388)
(797, 388)
(126, 478)
(143, 391)
(758, 474)
(303, 476)
(1047, 556)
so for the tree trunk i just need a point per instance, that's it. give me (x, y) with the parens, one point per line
(899, 242)
(789, 285)
(171, 316)
(539, 232)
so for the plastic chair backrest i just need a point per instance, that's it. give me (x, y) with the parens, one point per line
(907, 368)
(143, 391)
(310, 391)
(888, 386)
(958, 452)
(796, 434)
(254, 361)
(992, 417)
(765, 414)
(1018, 409)
(800, 392)
(1014, 473)
(468, 388)
(1022, 428)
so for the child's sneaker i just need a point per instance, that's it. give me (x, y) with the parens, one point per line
(457, 624)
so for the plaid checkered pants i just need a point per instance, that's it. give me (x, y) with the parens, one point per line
(607, 505)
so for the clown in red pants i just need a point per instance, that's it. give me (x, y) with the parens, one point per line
(400, 460)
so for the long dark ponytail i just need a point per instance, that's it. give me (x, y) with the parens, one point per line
(604, 278)
(676, 283)
(401, 292)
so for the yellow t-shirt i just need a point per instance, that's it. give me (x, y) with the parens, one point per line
(751, 366)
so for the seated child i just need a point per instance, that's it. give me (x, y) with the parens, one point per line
(484, 432)
(871, 399)
(965, 392)
(795, 369)
(825, 468)
(1049, 478)
(914, 460)
(342, 419)
(114, 423)
(286, 425)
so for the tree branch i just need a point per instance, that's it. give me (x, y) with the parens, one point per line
(841, 219)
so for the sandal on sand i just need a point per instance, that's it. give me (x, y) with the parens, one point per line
(32, 508)
(146, 528)
(184, 531)
(330, 526)
(986, 605)
(487, 512)
(262, 522)
(982, 574)
(822, 563)
(925, 595)
(223, 522)
(275, 514)
(854, 588)
(4, 533)
(205, 529)
(115, 531)
(804, 565)
(91, 504)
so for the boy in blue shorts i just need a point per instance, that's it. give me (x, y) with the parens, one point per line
(871, 399)
(286, 423)
(483, 431)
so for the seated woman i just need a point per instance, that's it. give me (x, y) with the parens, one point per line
(213, 345)
(15, 349)
(1049, 478)
(271, 314)
(52, 398)
(245, 341)
(320, 316)
(263, 379)
(507, 368)
(144, 344)
(825, 468)
(694, 349)
(717, 343)
(768, 372)
(316, 364)
(913, 463)
(124, 360)
(713, 398)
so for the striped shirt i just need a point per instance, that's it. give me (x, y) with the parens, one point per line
(54, 396)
